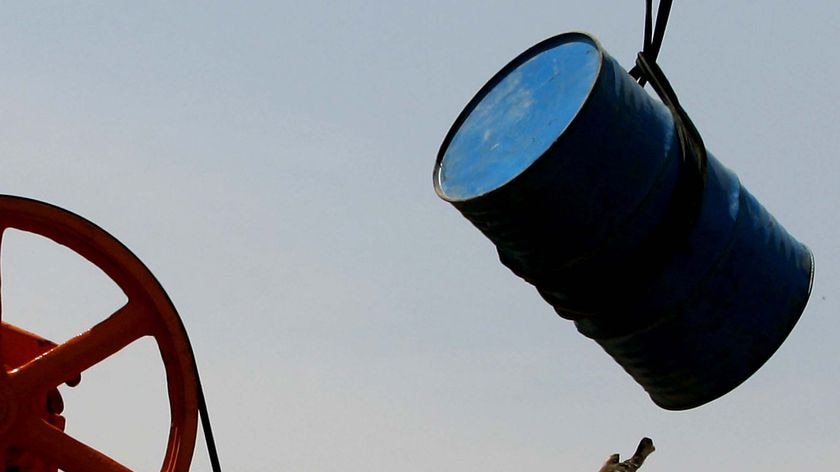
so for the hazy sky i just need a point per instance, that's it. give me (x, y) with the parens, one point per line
(271, 163)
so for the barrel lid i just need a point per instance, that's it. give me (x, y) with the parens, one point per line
(517, 116)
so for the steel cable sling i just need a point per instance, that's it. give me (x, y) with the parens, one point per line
(688, 193)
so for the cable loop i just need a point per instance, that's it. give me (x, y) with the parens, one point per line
(688, 194)
(653, 36)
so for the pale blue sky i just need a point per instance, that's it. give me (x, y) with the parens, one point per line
(271, 163)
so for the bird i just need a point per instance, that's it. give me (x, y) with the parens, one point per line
(632, 464)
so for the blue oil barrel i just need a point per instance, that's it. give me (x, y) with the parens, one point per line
(573, 171)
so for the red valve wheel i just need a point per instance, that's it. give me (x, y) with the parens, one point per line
(148, 312)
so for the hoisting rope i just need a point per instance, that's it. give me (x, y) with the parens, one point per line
(204, 414)
(205, 426)
(689, 190)
(653, 38)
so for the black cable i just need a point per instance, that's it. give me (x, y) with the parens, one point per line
(692, 178)
(659, 30)
(647, 70)
(205, 426)
(688, 192)
(648, 23)
(654, 35)
(203, 412)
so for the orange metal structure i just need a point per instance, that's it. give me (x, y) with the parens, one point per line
(32, 437)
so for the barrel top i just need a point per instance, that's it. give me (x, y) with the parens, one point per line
(517, 116)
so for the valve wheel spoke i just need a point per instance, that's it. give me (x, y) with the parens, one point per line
(148, 312)
(63, 451)
(81, 352)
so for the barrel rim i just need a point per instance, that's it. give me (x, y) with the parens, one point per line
(520, 59)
